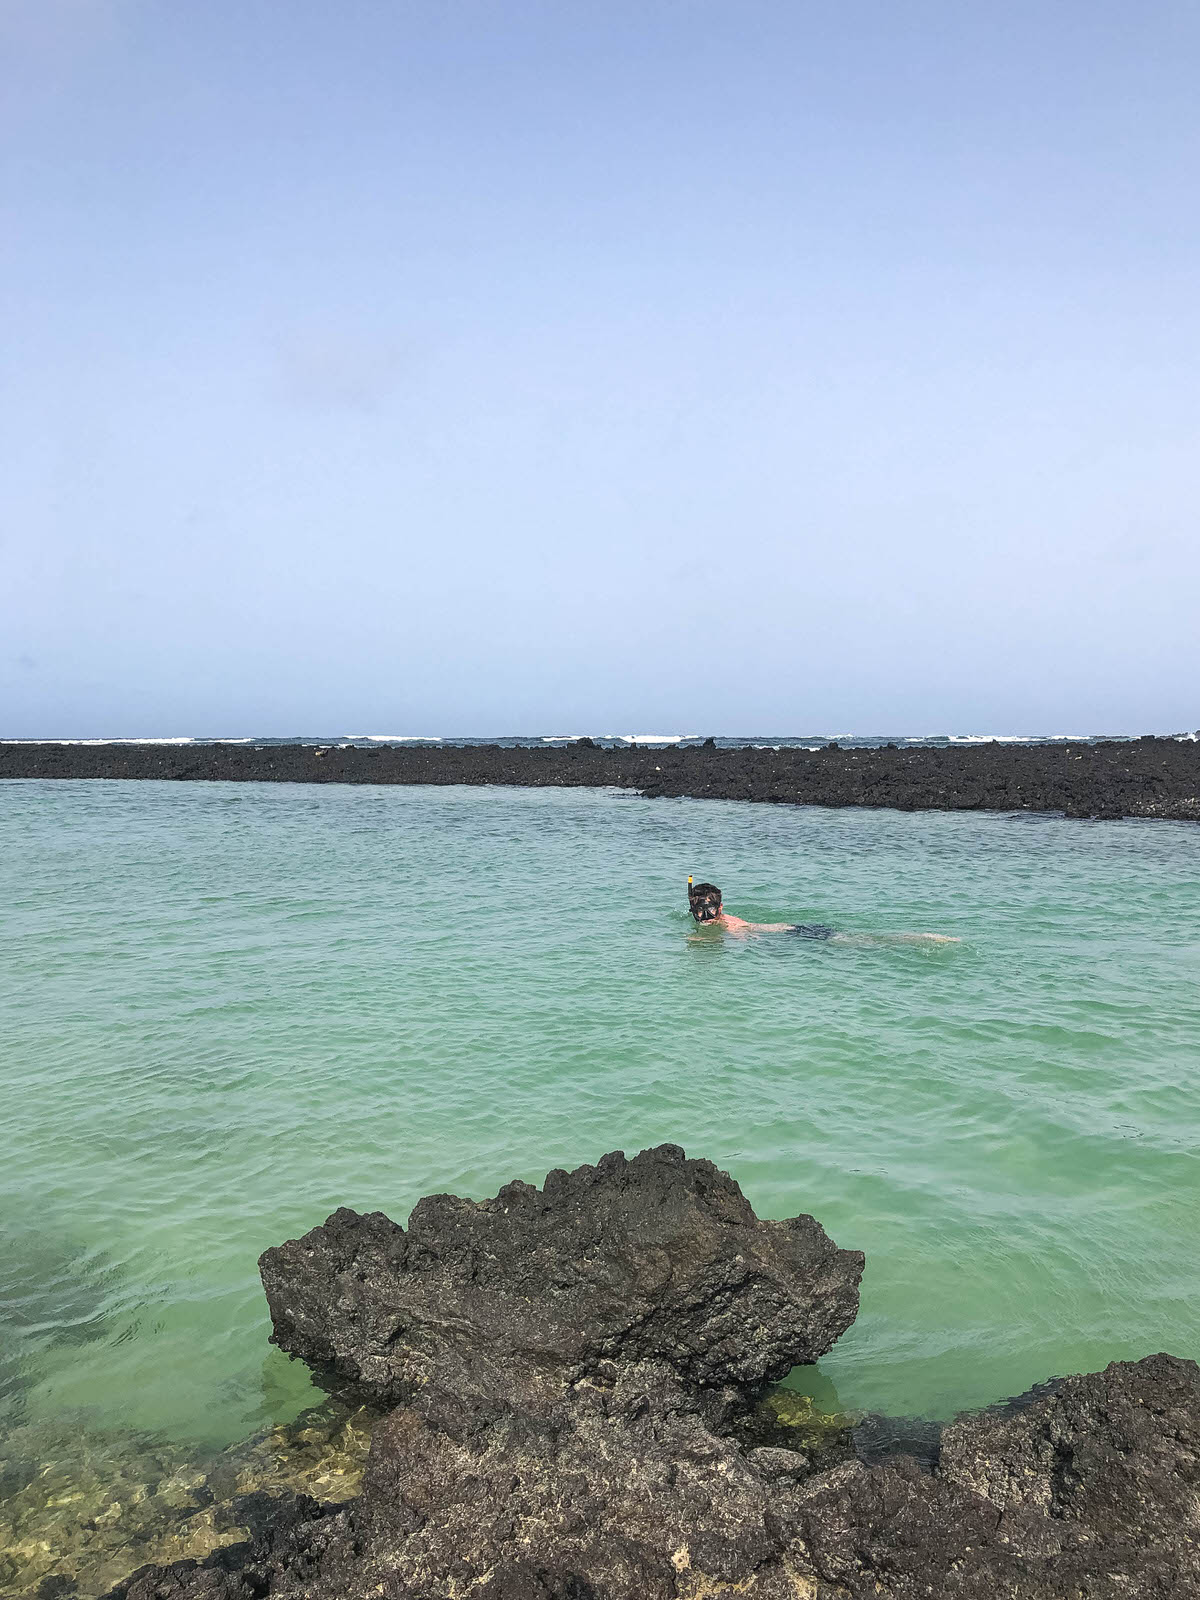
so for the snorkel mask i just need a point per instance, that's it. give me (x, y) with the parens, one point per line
(704, 901)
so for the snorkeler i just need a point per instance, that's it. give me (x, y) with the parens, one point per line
(706, 905)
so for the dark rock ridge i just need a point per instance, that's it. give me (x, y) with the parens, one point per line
(1147, 777)
(577, 1377)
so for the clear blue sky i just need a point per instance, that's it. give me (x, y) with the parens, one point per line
(599, 366)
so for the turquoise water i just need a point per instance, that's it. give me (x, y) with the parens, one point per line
(226, 1009)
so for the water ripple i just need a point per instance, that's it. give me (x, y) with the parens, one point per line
(227, 1009)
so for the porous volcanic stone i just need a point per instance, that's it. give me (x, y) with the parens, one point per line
(573, 1371)
(511, 1299)
(1088, 1490)
(626, 1494)
(1117, 1450)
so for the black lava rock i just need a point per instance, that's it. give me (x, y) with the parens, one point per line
(573, 1369)
(1147, 777)
(655, 1259)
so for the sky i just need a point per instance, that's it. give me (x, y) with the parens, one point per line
(461, 367)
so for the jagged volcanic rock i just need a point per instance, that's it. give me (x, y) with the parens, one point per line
(507, 1300)
(1088, 1490)
(573, 1369)
(1117, 1450)
(627, 1494)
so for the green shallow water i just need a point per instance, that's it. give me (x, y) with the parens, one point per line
(226, 1009)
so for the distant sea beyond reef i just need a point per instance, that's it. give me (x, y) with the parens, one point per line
(517, 741)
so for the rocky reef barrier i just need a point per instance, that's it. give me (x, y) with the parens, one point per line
(579, 1407)
(1149, 777)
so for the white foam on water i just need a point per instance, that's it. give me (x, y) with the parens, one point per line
(657, 738)
(399, 738)
(563, 738)
(171, 738)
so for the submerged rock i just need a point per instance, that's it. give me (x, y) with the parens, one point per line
(581, 1414)
(79, 1509)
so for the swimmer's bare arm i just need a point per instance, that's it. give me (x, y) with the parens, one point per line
(740, 925)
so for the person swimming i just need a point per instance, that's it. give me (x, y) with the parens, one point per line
(707, 905)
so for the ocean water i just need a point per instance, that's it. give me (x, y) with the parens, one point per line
(226, 1009)
(760, 741)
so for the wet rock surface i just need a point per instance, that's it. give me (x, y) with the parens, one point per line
(1149, 777)
(643, 1456)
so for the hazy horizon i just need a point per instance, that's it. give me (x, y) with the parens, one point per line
(665, 366)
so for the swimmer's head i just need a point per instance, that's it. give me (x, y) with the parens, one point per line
(704, 901)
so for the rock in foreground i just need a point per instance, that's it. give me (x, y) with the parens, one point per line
(574, 1374)
(508, 1300)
